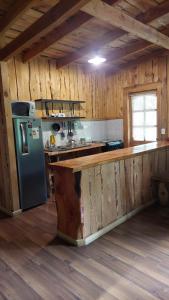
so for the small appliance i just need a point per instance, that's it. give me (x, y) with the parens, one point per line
(23, 108)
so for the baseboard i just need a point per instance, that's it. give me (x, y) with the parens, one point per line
(96, 235)
(16, 212)
(10, 213)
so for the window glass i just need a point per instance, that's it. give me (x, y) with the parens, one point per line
(151, 134)
(150, 102)
(137, 103)
(144, 116)
(150, 118)
(138, 118)
(138, 134)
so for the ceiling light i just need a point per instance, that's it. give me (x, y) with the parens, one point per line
(97, 60)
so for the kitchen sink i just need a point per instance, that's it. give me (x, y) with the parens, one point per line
(67, 147)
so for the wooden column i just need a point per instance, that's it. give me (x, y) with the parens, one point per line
(9, 194)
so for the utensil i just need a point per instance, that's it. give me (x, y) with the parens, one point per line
(71, 133)
(62, 134)
(56, 127)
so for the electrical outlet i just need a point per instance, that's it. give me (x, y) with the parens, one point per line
(162, 130)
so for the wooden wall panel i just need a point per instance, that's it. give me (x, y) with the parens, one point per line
(41, 79)
(9, 196)
(153, 71)
(103, 95)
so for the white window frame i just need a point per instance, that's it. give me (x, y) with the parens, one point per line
(143, 111)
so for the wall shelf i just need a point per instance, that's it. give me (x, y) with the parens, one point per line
(56, 101)
(71, 103)
(61, 119)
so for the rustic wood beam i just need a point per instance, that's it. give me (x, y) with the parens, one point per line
(117, 18)
(54, 17)
(150, 15)
(67, 27)
(117, 68)
(13, 13)
(106, 38)
(132, 48)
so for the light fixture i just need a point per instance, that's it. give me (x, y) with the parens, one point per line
(97, 60)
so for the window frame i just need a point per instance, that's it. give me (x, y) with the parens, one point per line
(143, 111)
(156, 87)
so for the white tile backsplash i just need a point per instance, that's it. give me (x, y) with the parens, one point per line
(90, 130)
(114, 129)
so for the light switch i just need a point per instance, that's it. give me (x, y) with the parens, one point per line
(162, 130)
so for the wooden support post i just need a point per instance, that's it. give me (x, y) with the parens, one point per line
(9, 195)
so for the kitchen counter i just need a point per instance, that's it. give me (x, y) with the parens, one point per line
(75, 149)
(82, 163)
(96, 193)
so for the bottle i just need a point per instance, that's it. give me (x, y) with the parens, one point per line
(52, 140)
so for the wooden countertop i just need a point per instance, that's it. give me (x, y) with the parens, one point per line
(78, 164)
(91, 146)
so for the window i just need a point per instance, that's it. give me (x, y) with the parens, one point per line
(144, 116)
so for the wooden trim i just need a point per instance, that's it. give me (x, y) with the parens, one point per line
(10, 213)
(127, 109)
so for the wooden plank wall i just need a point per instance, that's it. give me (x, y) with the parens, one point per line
(9, 197)
(156, 70)
(40, 79)
(103, 95)
(112, 190)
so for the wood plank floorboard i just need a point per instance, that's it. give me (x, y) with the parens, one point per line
(129, 263)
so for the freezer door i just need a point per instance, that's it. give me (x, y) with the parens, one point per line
(30, 162)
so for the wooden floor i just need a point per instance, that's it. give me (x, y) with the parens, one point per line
(131, 262)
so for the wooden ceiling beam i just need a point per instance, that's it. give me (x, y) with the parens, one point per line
(117, 18)
(13, 13)
(132, 48)
(58, 33)
(92, 47)
(69, 26)
(53, 18)
(117, 68)
(147, 17)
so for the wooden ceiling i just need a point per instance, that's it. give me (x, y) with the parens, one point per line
(124, 31)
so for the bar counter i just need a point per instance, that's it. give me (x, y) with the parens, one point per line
(96, 193)
(82, 163)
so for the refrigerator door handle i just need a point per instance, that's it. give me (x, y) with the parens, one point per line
(24, 140)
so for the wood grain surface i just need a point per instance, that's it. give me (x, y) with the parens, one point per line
(100, 194)
(102, 158)
(39, 79)
(9, 194)
(130, 262)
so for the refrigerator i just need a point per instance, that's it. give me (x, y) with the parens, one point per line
(30, 161)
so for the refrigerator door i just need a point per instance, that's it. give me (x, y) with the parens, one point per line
(30, 161)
